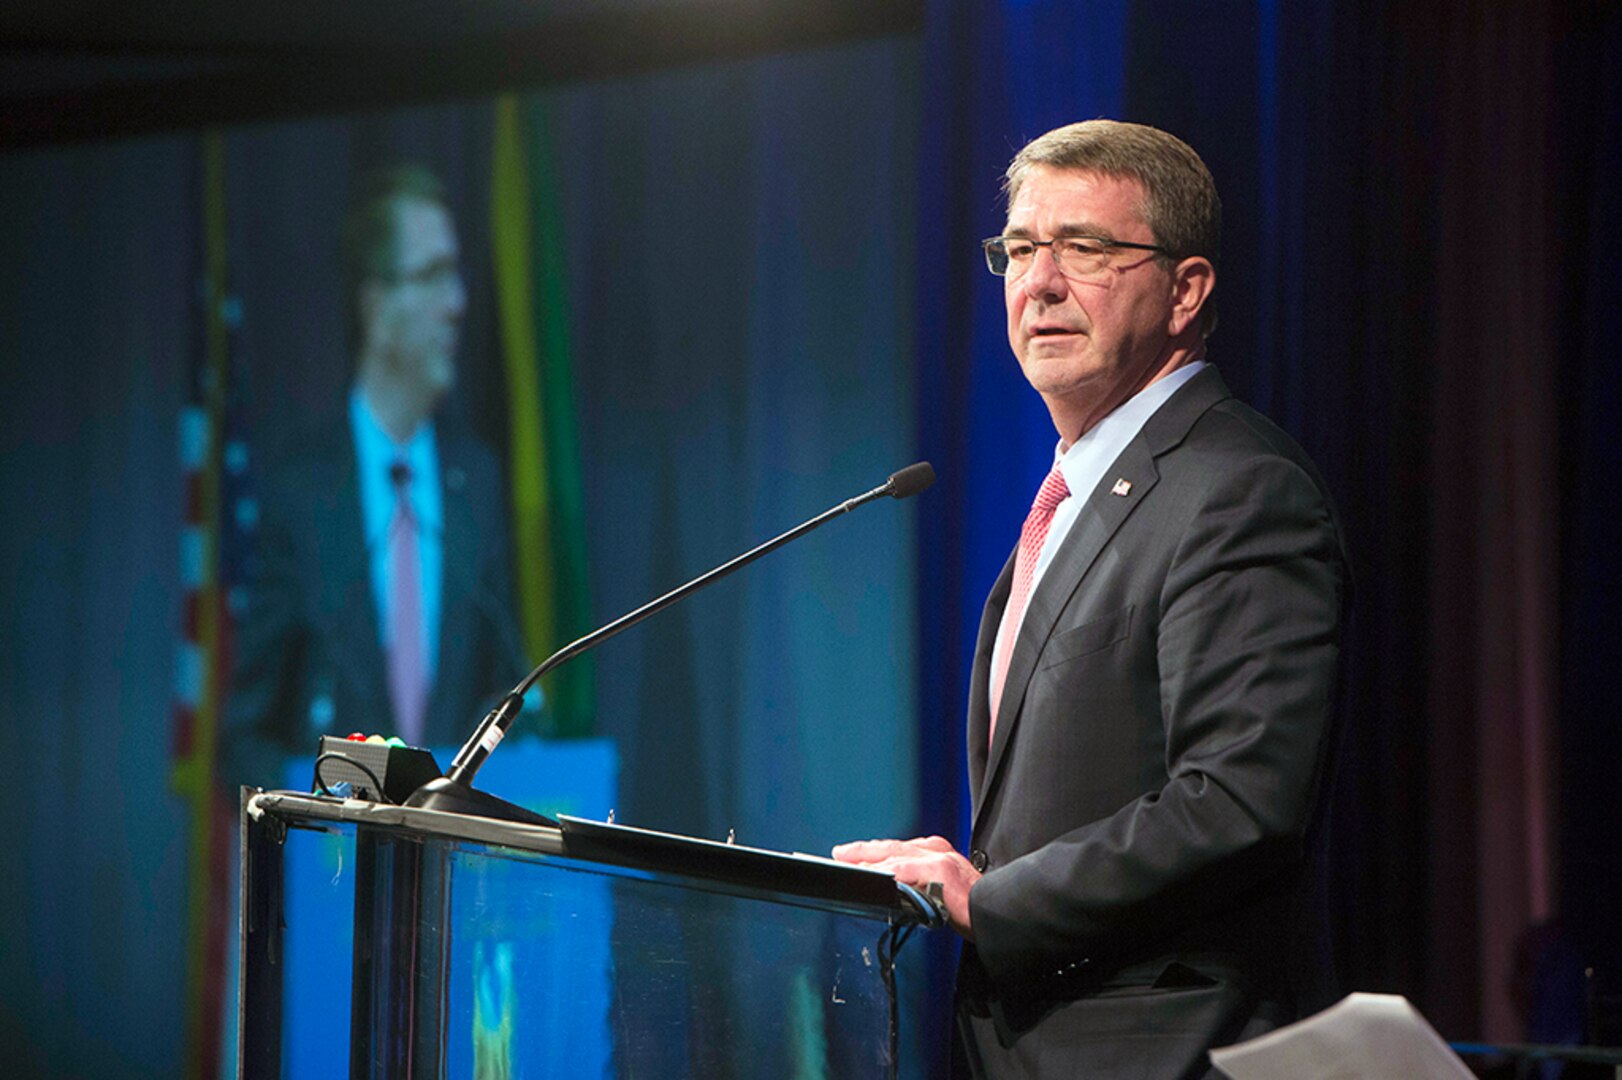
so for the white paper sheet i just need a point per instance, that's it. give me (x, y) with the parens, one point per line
(1362, 1037)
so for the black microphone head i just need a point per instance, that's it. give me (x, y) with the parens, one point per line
(910, 481)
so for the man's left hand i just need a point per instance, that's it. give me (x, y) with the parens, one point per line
(917, 863)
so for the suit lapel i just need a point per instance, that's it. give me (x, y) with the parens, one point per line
(346, 582)
(1102, 515)
(980, 676)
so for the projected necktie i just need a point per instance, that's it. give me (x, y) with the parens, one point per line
(1048, 497)
(408, 668)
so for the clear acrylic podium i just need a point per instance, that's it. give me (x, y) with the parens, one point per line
(480, 948)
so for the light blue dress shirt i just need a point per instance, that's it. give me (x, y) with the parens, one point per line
(375, 452)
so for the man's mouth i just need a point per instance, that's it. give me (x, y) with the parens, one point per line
(1051, 331)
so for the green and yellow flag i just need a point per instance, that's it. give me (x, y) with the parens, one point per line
(548, 513)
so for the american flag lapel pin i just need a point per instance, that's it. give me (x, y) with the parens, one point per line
(1122, 486)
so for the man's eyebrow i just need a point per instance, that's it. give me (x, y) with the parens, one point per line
(1078, 228)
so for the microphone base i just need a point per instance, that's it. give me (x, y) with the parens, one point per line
(449, 797)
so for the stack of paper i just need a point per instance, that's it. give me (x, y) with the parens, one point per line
(1363, 1037)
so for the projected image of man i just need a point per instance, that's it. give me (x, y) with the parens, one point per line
(382, 601)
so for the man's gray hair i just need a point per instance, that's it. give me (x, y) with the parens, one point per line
(1180, 202)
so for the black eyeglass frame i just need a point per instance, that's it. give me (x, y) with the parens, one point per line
(1108, 245)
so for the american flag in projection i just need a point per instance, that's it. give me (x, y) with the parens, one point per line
(217, 521)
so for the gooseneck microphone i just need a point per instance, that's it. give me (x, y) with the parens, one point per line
(454, 791)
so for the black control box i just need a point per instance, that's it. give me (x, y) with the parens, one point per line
(399, 770)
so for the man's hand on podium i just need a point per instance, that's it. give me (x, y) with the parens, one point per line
(919, 862)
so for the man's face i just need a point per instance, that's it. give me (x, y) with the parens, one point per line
(1089, 340)
(413, 317)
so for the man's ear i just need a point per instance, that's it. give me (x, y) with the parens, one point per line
(1191, 283)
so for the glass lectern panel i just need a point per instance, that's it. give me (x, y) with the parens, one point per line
(482, 949)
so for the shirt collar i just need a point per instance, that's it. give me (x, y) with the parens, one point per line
(1107, 438)
(376, 452)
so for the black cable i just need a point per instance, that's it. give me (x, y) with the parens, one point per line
(321, 786)
(890, 944)
(930, 910)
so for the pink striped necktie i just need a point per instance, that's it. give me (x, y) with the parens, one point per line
(407, 662)
(1048, 497)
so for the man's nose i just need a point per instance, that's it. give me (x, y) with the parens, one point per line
(1043, 281)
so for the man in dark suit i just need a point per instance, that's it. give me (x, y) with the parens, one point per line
(382, 598)
(1150, 710)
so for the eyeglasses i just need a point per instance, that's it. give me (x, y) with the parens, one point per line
(1080, 258)
(438, 274)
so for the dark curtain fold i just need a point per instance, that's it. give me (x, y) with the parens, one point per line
(1494, 474)
(1588, 243)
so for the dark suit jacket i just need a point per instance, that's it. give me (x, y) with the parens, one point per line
(309, 658)
(1148, 814)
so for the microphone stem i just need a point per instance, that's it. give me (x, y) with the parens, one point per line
(495, 724)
